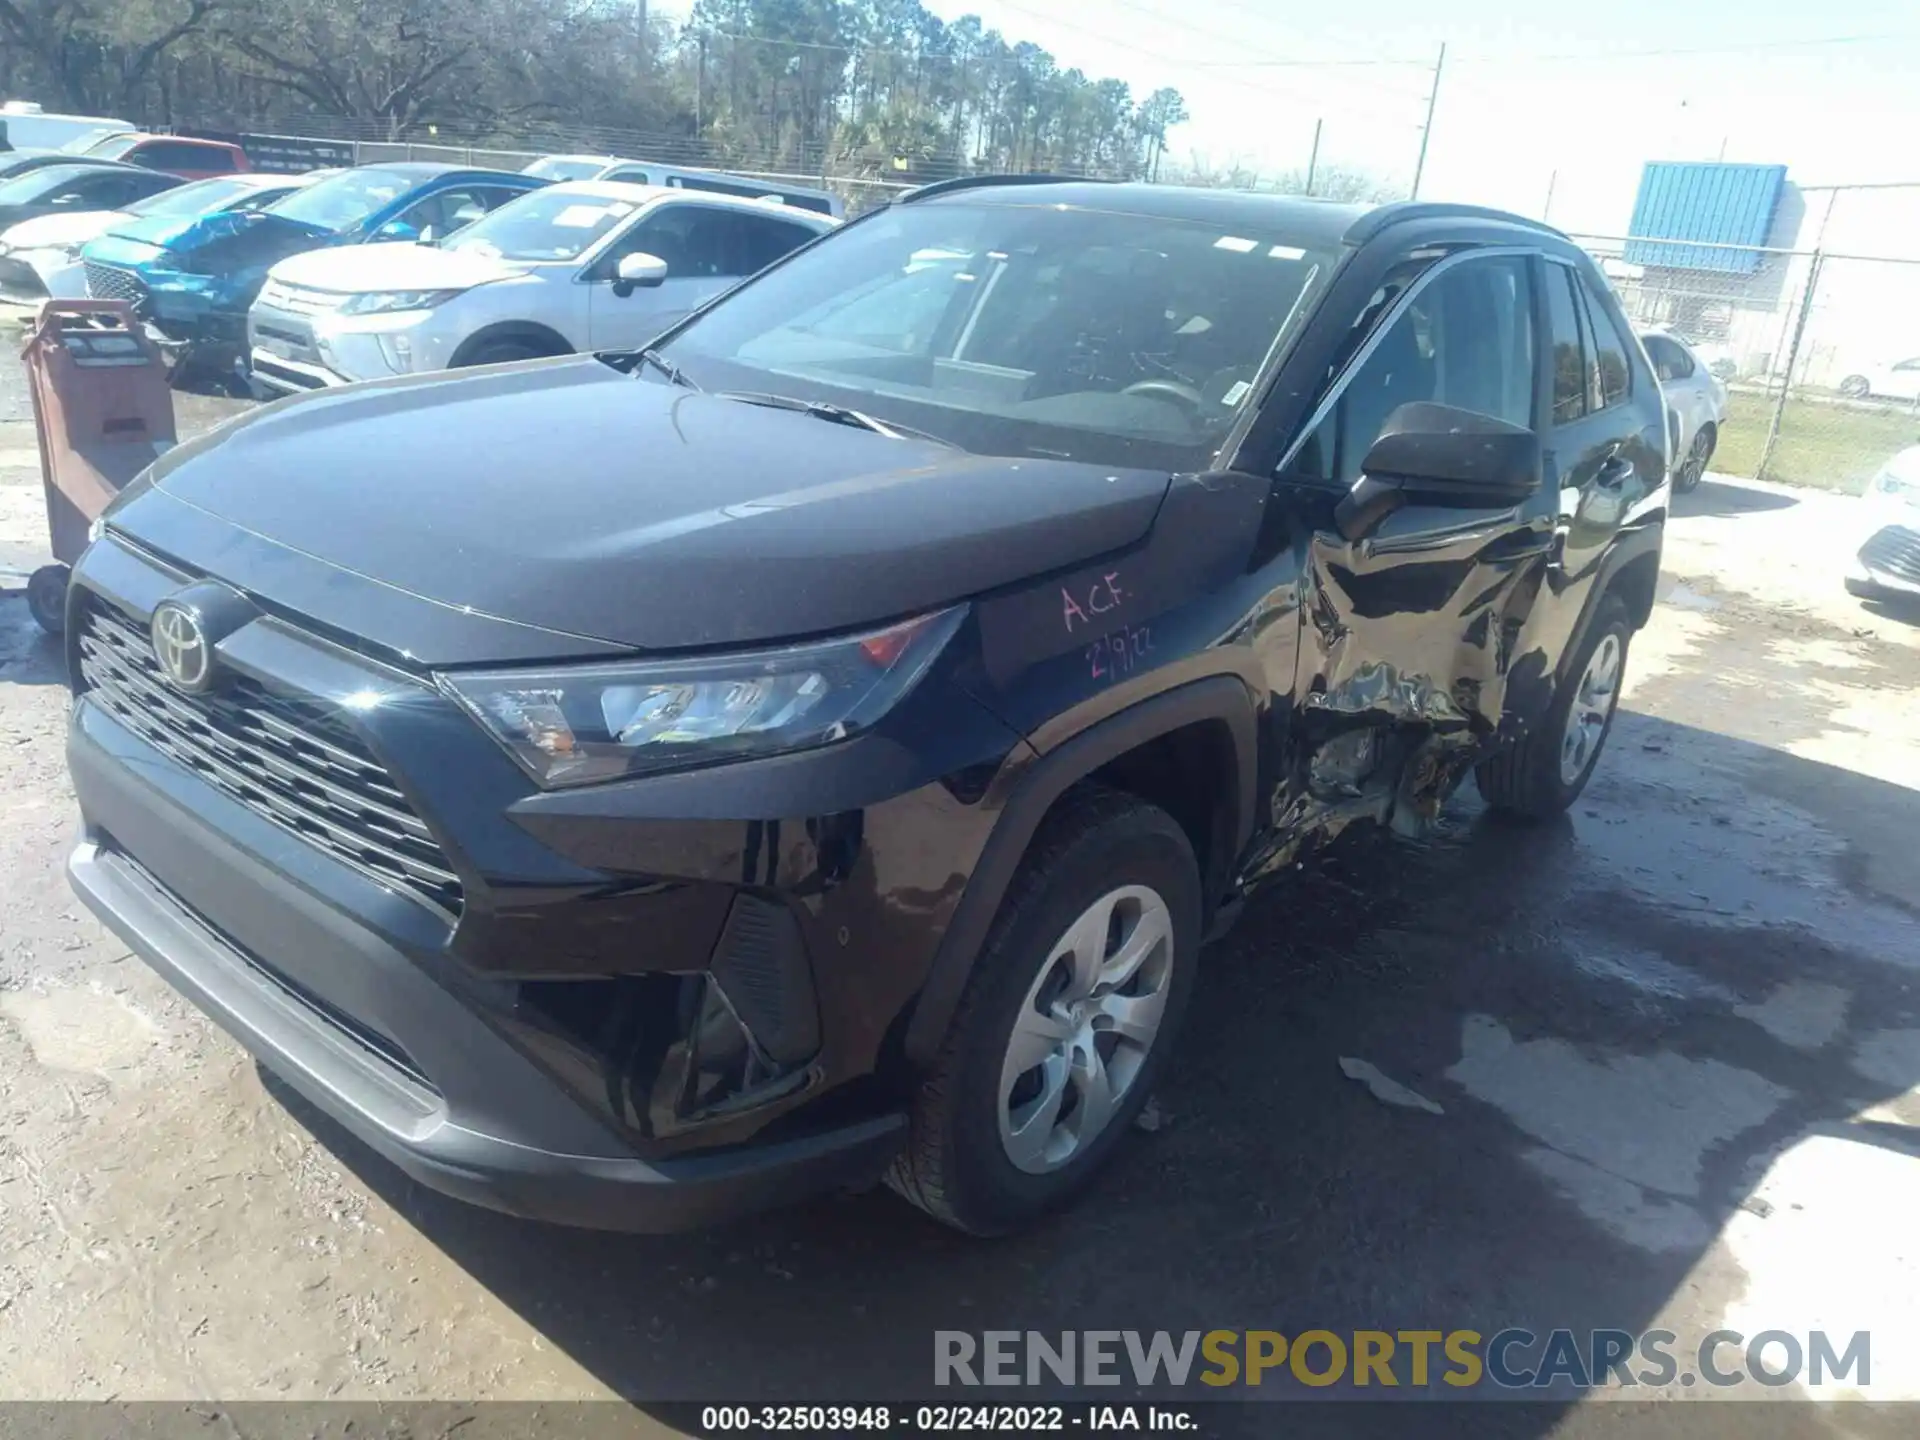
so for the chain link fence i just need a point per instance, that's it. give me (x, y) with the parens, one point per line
(1820, 353)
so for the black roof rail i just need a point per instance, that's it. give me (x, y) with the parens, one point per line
(975, 182)
(1401, 212)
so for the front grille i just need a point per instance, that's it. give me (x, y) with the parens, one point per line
(285, 758)
(1894, 551)
(110, 282)
(20, 281)
(282, 377)
(298, 299)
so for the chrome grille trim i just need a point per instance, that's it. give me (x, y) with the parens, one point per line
(299, 299)
(110, 282)
(285, 759)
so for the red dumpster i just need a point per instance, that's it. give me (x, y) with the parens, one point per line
(103, 411)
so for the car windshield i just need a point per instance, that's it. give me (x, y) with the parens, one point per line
(1025, 329)
(555, 167)
(83, 142)
(25, 189)
(546, 225)
(344, 201)
(112, 147)
(202, 197)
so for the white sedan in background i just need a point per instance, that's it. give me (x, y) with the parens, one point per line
(1888, 561)
(585, 265)
(41, 257)
(1895, 380)
(1698, 400)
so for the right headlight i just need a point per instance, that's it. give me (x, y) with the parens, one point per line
(387, 302)
(578, 724)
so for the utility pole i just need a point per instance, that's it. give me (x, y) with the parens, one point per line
(1546, 210)
(1313, 156)
(1426, 130)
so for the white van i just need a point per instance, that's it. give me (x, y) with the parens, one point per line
(28, 127)
(676, 177)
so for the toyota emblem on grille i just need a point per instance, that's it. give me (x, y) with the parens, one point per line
(181, 646)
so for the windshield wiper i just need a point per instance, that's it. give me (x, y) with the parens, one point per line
(666, 367)
(836, 414)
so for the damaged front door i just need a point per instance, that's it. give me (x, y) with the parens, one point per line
(1414, 597)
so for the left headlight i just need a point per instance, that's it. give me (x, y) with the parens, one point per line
(581, 724)
(387, 301)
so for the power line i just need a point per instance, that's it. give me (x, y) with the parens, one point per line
(1597, 56)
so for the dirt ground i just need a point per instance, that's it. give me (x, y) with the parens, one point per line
(1671, 1049)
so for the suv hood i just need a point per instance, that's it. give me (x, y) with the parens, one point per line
(566, 495)
(66, 228)
(364, 269)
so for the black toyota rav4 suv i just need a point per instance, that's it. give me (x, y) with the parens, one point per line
(631, 790)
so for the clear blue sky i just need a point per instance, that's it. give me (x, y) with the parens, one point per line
(1530, 95)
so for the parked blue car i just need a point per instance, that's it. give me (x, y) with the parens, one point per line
(193, 279)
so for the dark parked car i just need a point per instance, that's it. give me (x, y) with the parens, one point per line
(77, 186)
(633, 790)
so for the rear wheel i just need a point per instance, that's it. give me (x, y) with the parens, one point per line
(1544, 773)
(1694, 464)
(1066, 1021)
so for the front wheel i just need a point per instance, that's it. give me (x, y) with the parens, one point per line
(47, 597)
(1541, 775)
(1066, 1022)
(503, 352)
(1856, 387)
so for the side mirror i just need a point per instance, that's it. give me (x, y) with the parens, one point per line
(638, 271)
(1442, 455)
(396, 230)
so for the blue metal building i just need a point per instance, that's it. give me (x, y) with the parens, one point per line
(1713, 205)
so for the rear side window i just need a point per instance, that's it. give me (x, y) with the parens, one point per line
(1569, 357)
(1670, 361)
(760, 241)
(1611, 348)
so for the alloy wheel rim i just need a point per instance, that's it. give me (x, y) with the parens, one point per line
(1696, 464)
(1593, 702)
(1085, 1028)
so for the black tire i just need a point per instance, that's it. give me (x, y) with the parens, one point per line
(1693, 465)
(1856, 387)
(955, 1166)
(505, 352)
(47, 597)
(1525, 778)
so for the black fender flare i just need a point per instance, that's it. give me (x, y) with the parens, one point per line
(1218, 698)
(1630, 546)
(528, 331)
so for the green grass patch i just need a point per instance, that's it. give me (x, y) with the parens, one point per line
(1822, 446)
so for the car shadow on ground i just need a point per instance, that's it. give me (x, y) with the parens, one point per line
(1901, 609)
(1714, 497)
(1563, 993)
(28, 655)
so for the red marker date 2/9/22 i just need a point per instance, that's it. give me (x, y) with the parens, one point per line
(1120, 652)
